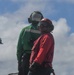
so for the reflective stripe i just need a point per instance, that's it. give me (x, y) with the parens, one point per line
(33, 31)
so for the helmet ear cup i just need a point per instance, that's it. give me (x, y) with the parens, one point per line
(29, 20)
(51, 28)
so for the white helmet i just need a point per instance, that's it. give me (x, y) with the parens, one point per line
(35, 16)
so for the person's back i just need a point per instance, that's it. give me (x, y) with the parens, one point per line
(25, 43)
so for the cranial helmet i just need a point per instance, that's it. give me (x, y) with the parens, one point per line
(35, 16)
(46, 25)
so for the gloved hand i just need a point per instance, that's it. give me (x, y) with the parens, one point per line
(34, 66)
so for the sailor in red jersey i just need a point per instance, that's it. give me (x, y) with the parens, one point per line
(43, 50)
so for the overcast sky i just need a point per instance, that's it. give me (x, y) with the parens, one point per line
(13, 17)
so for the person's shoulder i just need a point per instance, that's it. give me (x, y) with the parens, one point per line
(26, 27)
(47, 36)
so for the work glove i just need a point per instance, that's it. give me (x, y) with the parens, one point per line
(34, 66)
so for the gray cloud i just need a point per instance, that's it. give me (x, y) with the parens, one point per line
(63, 59)
(9, 34)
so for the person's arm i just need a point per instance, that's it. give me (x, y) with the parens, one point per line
(45, 45)
(19, 46)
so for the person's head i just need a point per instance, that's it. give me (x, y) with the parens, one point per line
(45, 26)
(35, 17)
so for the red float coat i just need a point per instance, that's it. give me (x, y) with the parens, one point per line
(43, 50)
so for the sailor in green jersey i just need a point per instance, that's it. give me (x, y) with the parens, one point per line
(26, 39)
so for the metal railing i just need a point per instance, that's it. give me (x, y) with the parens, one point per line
(13, 74)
